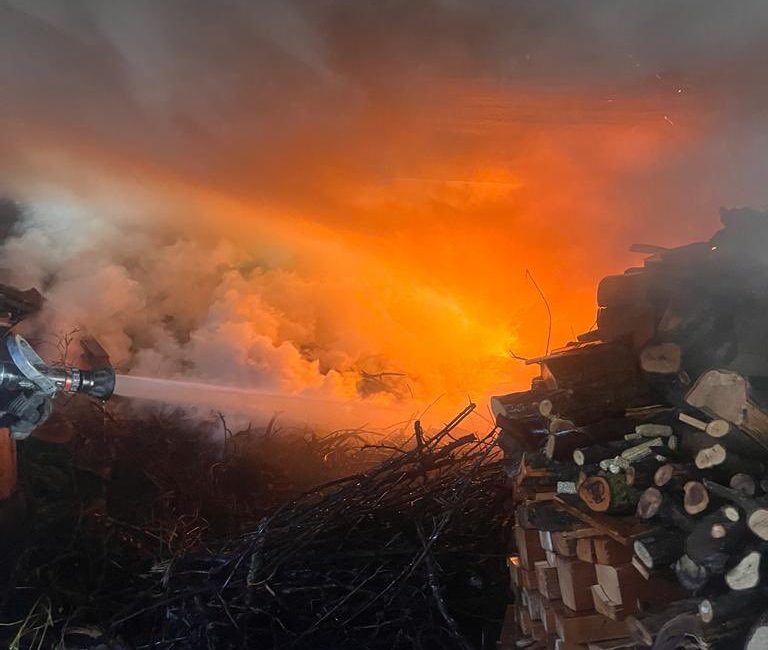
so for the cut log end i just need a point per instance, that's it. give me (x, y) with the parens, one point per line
(649, 503)
(717, 428)
(758, 523)
(758, 639)
(643, 554)
(746, 574)
(711, 457)
(596, 493)
(696, 498)
(664, 475)
(718, 531)
(743, 483)
(578, 457)
(706, 611)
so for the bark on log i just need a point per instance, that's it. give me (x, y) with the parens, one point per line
(654, 503)
(608, 493)
(693, 577)
(696, 499)
(659, 549)
(715, 538)
(755, 510)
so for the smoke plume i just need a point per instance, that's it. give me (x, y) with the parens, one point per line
(342, 199)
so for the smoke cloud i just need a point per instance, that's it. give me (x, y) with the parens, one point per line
(341, 199)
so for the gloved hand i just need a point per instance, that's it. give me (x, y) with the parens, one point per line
(25, 412)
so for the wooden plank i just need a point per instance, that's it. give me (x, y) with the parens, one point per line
(575, 578)
(609, 551)
(528, 547)
(585, 551)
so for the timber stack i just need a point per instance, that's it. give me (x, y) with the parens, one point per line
(639, 460)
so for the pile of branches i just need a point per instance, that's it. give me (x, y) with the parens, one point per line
(408, 552)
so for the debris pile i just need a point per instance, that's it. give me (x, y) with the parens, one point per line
(404, 547)
(638, 460)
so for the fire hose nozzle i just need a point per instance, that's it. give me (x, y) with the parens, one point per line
(28, 370)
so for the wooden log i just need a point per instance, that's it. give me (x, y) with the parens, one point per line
(748, 571)
(696, 497)
(654, 503)
(730, 605)
(603, 380)
(729, 462)
(691, 576)
(643, 629)
(608, 493)
(757, 637)
(659, 549)
(715, 538)
(640, 475)
(519, 435)
(725, 395)
(673, 475)
(661, 358)
(744, 484)
(623, 290)
(755, 510)
(563, 444)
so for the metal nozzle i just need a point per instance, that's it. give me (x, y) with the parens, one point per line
(28, 370)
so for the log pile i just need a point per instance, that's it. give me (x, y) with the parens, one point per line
(639, 460)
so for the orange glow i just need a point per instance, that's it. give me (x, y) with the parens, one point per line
(401, 243)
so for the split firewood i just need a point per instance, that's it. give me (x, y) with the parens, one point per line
(724, 394)
(562, 445)
(659, 549)
(755, 510)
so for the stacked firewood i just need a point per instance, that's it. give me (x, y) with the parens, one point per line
(639, 459)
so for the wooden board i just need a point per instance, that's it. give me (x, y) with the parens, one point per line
(609, 551)
(575, 578)
(622, 529)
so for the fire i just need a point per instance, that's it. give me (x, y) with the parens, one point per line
(400, 249)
